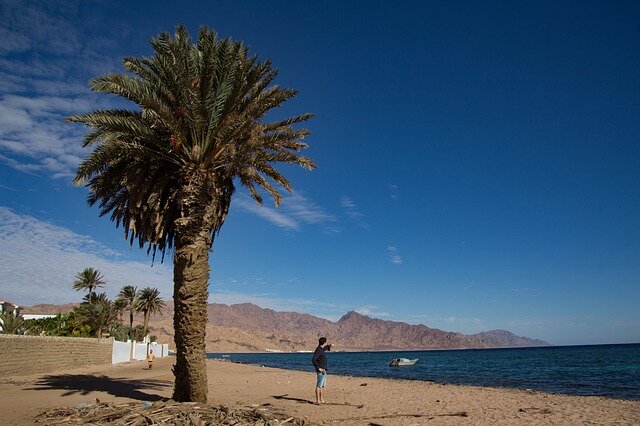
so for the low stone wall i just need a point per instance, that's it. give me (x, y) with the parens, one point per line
(22, 355)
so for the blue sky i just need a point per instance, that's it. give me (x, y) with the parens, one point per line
(478, 163)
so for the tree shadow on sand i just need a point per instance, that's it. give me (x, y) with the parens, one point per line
(85, 384)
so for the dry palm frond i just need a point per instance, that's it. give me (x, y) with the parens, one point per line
(166, 413)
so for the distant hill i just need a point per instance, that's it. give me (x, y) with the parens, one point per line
(249, 328)
(506, 339)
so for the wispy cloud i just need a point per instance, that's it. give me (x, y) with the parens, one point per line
(47, 59)
(394, 257)
(372, 311)
(350, 208)
(40, 260)
(451, 323)
(296, 210)
(352, 211)
(393, 191)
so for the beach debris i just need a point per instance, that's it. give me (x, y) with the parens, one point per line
(166, 413)
(363, 384)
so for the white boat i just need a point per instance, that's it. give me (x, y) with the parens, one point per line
(401, 362)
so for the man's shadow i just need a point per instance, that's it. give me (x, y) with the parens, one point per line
(308, 401)
(85, 384)
(290, 398)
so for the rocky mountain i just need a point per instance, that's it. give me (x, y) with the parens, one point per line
(249, 328)
(506, 339)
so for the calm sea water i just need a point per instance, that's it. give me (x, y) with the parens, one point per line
(607, 370)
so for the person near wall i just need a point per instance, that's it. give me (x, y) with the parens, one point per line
(150, 358)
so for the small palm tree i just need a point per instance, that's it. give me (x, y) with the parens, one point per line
(149, 302)
(167, 170)
(12, 324)
(89, 279)
(128, 295)
(100, 313)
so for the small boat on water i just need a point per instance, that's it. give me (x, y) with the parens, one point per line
(401, 362)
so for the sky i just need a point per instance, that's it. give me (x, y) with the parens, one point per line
(478, 162)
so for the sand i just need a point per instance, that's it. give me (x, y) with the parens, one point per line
(350, 400)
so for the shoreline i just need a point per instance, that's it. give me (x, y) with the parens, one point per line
(355, 376)
(351, 400)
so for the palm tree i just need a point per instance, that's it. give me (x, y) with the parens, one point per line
(99, 313)
(167, 171)
(120, 305)
(149, 302)
(89, 279)
(127, 296)
(10, 323)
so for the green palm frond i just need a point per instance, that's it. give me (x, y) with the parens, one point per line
(199, 124)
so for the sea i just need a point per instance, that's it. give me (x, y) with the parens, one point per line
(604, 370)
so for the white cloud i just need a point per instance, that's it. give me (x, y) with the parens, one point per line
(295, 211)
(51, 55)
(350, 208)
(372, 311)
(40, 260)
(393, 191)
(394, 257)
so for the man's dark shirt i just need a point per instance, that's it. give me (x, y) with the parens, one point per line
(319, 359)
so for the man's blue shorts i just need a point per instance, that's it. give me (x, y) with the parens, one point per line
(322, 379)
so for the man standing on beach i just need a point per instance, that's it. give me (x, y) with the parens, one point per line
(319, 361)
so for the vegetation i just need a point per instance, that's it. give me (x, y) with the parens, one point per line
(149, 302)
(12, 324)
(97, 314)
(166, 172)
(89, 279)
(127, 296)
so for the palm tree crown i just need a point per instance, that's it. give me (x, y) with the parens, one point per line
(166, 171)
(127, 297)
(201, 107)
(89, 279)
(149, 302)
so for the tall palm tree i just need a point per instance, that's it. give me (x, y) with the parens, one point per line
(89, 279)
(166, 172)
(120, 305)
(149, 302)
(127, 296)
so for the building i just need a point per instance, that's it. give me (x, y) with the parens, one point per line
(10, 308)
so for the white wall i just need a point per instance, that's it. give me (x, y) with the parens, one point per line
(140, 351)
(121, 352)
(130, 351)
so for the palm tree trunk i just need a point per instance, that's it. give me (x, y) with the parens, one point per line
(191, 277)
(146, 322)
(130, 318)
(203, 212)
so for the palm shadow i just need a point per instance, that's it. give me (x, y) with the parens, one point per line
(85, 384)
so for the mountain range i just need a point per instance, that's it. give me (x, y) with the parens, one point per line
(249, 328)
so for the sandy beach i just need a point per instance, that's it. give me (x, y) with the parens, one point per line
(350, 400)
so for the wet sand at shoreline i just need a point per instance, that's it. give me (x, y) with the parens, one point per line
(351, 400)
